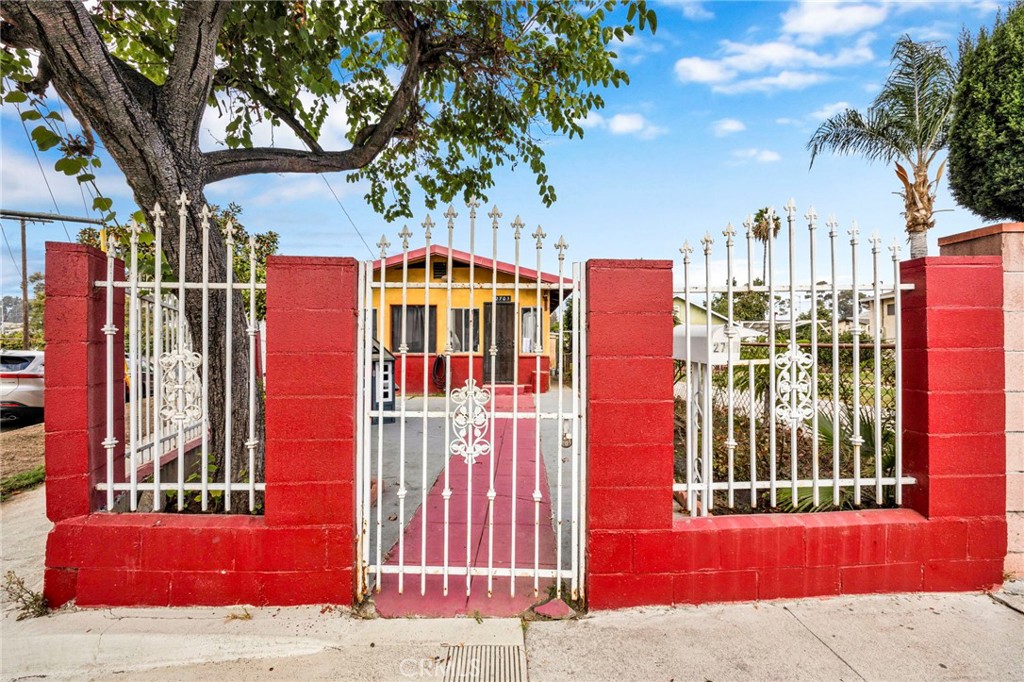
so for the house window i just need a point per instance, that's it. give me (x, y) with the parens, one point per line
(461, 331)
(439, 269)
(530, 321)
(413, 328)
(890, 309)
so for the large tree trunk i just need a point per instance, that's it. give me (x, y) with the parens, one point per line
(151, 133)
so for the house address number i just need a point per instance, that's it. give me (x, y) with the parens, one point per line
(504, 299)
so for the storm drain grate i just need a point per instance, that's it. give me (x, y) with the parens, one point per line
(485, 663)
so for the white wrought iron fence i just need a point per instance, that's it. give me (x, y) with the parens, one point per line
(178, 452)
(139, 387)
(479, 477)
(787, 403)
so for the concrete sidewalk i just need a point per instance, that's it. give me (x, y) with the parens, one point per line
(901, 637)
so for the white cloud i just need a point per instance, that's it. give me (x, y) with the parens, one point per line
(811, 22)
(700, 70)
(634, 124)
(817, 116)
(289, 188)
(937, 30)
(633, 49)
(759, 155)
(779, 54)
(22, 183)
(785, 80)
(623, 124)
(727, 126)
(593, 120)
(829, 110)
(794, 66)
(692, 9)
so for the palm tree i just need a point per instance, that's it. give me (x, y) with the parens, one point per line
(766, 226)
(908, 121)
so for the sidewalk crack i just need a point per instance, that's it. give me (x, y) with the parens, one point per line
(1000, 600)
(826, 644)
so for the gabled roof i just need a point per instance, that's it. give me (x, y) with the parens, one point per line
(714, 315)
(419, 255)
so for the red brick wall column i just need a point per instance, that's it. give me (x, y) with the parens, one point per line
(1006, 240)
(75, 393)
(954, 411)
(629, 420)
(311, 389)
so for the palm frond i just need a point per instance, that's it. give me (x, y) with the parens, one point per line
(919, 91)
(909, 118)
(874, 135)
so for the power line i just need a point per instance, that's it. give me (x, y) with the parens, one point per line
(43, 173)
(361, 237)
(10, 251)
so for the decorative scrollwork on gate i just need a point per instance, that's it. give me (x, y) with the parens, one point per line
(181, 387)
(793, 400)
(469, 422)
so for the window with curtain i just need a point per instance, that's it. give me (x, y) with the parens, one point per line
(461, 333)
(413, 328)
(531, 318)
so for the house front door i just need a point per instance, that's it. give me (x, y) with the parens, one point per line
(504, 324)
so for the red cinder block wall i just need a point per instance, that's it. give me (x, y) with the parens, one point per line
(302, 549)
(950, 535)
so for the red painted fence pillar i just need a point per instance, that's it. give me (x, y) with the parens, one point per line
(311, 392)
(630, 422)
(954, 415)
(76, 362)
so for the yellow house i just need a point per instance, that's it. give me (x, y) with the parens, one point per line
(518, 320)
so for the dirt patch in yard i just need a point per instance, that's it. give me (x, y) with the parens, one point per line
(21, 447)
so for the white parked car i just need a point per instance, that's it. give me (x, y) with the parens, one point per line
(21, 384)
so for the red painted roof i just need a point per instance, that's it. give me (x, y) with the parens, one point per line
(463, 257)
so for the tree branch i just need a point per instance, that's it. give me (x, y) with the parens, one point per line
(103, 92)
(231, 163)
(265, 99)
(17, 34)
(191, 71)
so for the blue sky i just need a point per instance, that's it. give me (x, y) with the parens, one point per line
(712, 127)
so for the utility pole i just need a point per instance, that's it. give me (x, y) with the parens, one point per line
(24, 289)
(27, 217)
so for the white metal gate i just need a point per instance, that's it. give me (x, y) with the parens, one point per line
(464, 477)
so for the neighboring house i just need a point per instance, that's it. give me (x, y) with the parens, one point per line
(698, 313)
(887, 301)
(468, 329)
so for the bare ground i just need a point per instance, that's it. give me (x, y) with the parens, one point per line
(21, 447)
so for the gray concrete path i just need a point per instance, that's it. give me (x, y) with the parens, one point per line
(901, 637)
(23, 530)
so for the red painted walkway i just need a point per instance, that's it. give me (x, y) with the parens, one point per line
(469, 525)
